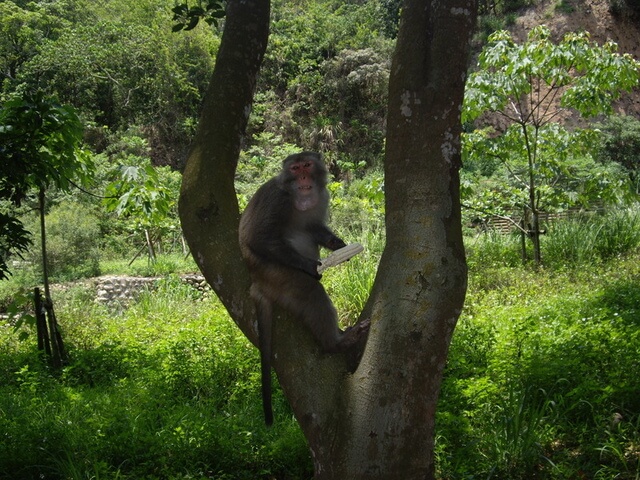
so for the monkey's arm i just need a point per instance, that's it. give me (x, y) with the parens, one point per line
(326, 238)
(281, 252)
(268, 241)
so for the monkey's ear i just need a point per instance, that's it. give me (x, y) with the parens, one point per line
(339, 256)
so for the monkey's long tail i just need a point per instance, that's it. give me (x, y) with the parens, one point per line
(264, 332)
(266, 390)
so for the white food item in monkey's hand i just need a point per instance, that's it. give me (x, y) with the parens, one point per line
(338, 256)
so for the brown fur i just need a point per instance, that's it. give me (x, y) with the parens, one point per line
(281, 231)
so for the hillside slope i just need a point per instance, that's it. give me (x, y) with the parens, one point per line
(595, 17)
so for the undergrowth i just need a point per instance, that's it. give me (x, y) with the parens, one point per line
(168, 388)
(540, 375)
(541, 381)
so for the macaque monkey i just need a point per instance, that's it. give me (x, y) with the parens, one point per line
(281, 231)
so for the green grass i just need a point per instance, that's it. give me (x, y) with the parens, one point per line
(541, 381)
(143, 267)
(166, 389)
(540, 364)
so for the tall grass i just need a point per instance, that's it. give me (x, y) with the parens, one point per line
(518, 428)
(540, 382)
(592, 238)
(582, 240)
(493, 249)
(168, 388)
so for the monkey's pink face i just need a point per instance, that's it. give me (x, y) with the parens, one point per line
(306, 193)
(303, 172)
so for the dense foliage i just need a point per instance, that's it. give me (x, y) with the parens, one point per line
(138, 87)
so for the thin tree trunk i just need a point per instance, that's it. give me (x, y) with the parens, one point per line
(185, 248)
(41, 323)
(535, 237)
(55, 338)
(523, 238)
(57, 347)
(149, 242)
(43, 238)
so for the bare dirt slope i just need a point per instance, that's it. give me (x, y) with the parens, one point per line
(594, 17)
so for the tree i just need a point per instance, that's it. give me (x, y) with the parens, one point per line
(379, 421)
(532, 86)
(620, 143)
(21, 32)
(40, 148)
(142, 195)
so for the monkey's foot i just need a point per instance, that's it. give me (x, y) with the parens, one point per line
(354, 334)
(353, 342)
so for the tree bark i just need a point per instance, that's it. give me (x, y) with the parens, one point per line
(388, 410)
(378, 422)
(208, 206)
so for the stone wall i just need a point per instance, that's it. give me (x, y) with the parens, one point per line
(122, 289)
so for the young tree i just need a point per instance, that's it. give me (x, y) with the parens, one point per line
(142, 195)
(40, 142)
(531, 86)
(40, 148)
(379, 421)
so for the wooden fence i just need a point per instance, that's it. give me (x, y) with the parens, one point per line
(507, 225)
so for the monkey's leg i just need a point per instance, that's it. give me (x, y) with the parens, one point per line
(306, 299)
(323, 323)
(317, 312)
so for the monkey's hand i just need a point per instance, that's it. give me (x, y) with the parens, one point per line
(311, 267)
(324, 237)
(335, 243)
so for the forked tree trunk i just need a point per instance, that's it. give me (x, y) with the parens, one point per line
(379, 421)
(52, 338)
(386, 429)
(208, 205)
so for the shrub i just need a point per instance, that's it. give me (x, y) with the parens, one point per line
(72, 242)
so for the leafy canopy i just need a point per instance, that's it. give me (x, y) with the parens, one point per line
(523, 82)
(39, 148)
(537, 162)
